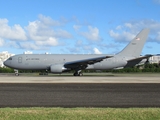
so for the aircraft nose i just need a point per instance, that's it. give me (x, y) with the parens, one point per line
(6, 63)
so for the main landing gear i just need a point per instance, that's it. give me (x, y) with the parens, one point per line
(44, 73)
(78, 73)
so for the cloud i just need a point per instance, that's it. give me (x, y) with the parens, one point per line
(48, 21)
(137, 25)
(15, 32)
(158, 36)
(96, 51)
(121, 37)
(129, 30)
(43, 34)
(36, 31)
(156, 1)
(76, 27)
(62, 34)
(74, 50)
(92, 34)
(30, 46)
(39, 34)
(79, 42)
(12, 44)
(1, 42)
(28, 52)
(49, 42)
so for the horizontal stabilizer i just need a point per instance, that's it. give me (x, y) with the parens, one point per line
(138, 61)
(140, 58)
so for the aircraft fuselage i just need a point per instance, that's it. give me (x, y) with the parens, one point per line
(44, 61)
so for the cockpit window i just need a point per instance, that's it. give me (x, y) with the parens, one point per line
(10, 58)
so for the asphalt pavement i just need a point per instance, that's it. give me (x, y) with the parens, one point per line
(80, 95)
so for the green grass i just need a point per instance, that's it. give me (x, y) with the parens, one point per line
(80, 114)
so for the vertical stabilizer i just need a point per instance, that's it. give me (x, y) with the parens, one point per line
(134, 48)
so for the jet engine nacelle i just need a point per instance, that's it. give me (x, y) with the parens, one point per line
(57, 68)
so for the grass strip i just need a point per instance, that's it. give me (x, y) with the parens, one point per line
(79, 113)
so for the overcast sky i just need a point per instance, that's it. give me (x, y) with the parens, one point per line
(77, 26)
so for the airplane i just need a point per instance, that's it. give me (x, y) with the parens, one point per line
(59, 63)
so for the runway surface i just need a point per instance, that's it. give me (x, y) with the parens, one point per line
(105, 92)
(80, 95)
(84, 79)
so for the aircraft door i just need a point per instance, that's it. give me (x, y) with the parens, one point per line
(20, 60)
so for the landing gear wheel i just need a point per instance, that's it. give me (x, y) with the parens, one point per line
(43, 73)
(16, 74)
(78, 74)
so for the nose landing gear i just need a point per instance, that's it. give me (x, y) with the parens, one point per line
(16, 72)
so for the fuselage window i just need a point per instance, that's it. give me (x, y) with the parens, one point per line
(10, 58)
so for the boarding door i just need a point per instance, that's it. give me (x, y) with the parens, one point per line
(20, 60)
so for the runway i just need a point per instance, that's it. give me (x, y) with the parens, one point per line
(155, 78)
(32, 93)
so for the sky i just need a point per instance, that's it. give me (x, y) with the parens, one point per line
(77, 26)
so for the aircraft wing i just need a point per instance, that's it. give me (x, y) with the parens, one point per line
(140, 58)
(84, 62)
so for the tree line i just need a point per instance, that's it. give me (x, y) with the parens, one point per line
(136, 69)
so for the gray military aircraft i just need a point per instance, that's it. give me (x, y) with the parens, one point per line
(59, 63)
